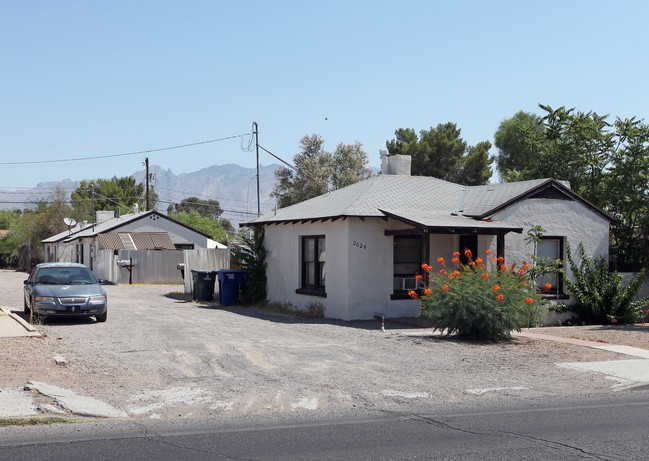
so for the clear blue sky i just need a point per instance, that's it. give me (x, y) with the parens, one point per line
(91, 78)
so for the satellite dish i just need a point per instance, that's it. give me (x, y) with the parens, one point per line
(82, 224)
(69, 222)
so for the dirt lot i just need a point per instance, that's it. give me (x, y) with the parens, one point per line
(161, 356)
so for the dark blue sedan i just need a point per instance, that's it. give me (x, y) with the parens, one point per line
(64, 289)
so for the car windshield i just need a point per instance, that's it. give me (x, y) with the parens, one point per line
(65, 276)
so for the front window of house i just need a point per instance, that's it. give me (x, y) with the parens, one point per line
(407, 263)
(550, 249)
(313, 273)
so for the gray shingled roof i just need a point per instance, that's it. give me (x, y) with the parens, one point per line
(421, 200)
(427, 201)
(366, 198)
(479, 200)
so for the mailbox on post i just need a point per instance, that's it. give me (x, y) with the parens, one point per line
(127, 263)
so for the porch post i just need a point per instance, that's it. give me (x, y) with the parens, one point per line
(500, 246)
(425, 247)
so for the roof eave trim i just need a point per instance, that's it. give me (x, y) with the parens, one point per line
(543, 185)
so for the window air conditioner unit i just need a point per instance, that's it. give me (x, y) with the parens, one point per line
(409, 283)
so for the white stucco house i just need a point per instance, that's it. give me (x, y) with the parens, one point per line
(150, 230)
(356, 251)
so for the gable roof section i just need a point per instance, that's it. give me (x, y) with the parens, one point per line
(482, 202)
(115, 223)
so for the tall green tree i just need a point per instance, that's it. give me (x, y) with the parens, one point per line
(206, 208)
(441, 152)
(318, 171)
(349, 165)
(32, 225)
(573, 146)
(202, 223)
(606, 163)
(111, 194)
(514, 154)
(627, 193)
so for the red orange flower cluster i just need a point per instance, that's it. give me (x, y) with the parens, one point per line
(449, 281)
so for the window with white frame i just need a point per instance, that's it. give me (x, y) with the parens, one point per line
(313, 257)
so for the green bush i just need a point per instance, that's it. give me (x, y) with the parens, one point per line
(478, 301)
(253, 261)
(603, 297)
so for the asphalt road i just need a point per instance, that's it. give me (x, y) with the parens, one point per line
(598, 430)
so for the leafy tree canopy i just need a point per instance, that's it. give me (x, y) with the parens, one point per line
(514, 154)
(31, 226)
(202, 223)
(111, 194)
(606, 163)
(441, 153)
(319, 171)
(206, 208)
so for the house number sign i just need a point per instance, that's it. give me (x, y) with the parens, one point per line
(359, 245)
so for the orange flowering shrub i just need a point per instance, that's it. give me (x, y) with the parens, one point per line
(479, 299)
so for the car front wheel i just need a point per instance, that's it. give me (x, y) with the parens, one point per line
(27, 310)
(102, 317)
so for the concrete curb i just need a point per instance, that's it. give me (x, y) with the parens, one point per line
(25, 328)
(626, 350)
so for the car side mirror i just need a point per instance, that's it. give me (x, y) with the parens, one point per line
(26, 282)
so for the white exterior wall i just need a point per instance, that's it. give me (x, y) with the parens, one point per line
(283, 244)
(559, 218)
(370, 265)
(359, 266)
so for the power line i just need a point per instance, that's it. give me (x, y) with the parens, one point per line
(298, 171)
(124, 154)
(209, 197)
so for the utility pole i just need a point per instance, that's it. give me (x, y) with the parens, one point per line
(257, 148)
(146, 163)
(92, 193)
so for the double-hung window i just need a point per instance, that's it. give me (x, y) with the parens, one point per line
(407, 264)
(550, 249)
(313, 272)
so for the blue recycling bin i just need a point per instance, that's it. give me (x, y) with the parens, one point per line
(229, 281)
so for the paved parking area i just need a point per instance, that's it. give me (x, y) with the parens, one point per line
(161, 356)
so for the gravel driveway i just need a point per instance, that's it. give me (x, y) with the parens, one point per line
(160, 356)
